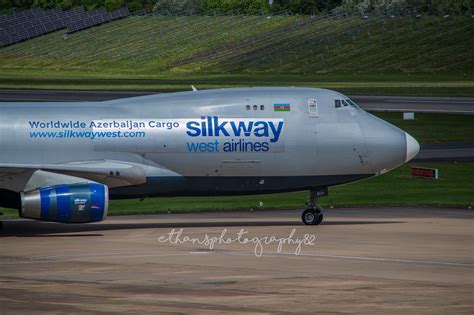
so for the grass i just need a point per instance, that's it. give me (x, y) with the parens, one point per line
(253, 44)
(429, 128)
(454, 188)
(421, 84)
(379, 56)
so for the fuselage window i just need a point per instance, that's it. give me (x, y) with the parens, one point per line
(255, 107)
(262, 107)
(247, 107)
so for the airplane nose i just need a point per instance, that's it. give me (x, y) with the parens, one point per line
(413, 147)
(387, 146)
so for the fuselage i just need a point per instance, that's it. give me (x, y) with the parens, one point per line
(213, 142)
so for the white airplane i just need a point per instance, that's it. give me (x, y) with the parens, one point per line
(63, 161)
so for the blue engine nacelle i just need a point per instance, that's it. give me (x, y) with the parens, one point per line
(75, 203)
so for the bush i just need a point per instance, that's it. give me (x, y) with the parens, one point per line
(113, 4)
(65, 4)
(306, 7)
(236, 6)
(178, 7)
(431, 7)
(134, 5)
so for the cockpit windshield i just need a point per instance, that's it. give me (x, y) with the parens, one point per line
(352, 103)
(340, 103)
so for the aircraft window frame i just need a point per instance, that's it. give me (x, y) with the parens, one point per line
(255, 107)
(262, 107)
(247, 107)
(345, 103)
(337, 103)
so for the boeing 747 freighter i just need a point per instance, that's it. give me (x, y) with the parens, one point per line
(63, 161)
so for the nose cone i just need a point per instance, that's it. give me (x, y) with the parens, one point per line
(388, 146)
(413, 147)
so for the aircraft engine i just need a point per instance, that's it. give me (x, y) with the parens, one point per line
(74, 203)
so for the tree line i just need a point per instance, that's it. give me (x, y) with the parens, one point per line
(226, 7)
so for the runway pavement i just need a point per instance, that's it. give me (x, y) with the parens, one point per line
(453, 105)
(446, 152)
(390, 260)
(447, 105)
(65, 95)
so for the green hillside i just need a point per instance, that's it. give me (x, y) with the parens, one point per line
(148, 45)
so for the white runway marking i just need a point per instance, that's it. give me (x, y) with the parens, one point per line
(380, 259)
(408, 261)
(76, 256)
(447, 111)
(441, 101)
(128, 255)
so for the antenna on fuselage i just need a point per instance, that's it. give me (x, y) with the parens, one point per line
(194, 88)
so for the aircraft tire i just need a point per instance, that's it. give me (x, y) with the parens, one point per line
(312, 216)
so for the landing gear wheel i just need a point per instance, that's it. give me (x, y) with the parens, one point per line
(312, 216)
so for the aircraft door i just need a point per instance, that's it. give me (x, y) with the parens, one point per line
(313, 108)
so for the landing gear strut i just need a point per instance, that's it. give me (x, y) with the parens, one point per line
(314, 214)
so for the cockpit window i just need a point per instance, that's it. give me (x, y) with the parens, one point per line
(352, 103)
(345, 103)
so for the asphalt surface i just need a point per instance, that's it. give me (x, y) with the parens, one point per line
(458, 105)
(65, 95)
(446, 152)
(447, 105)
(378, 260)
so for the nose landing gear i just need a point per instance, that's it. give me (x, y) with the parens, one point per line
(314, 214)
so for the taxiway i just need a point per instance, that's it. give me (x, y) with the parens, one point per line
(394, 260)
